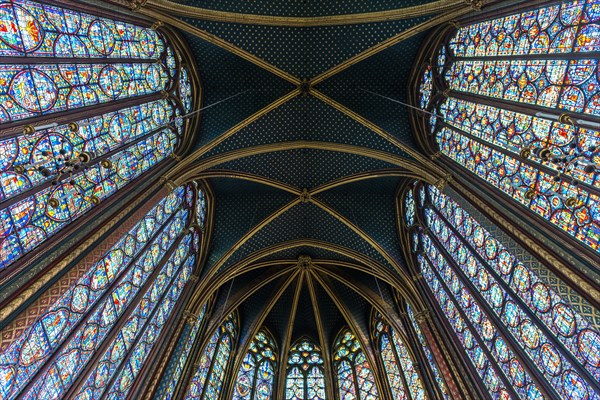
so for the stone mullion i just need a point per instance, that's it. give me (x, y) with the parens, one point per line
(15, 128)
(171, 354)
(505, 286)
(140, 384)
(494, 363)
(190, 368)
(536, 376)
(100, 300)
(398, 364)
(420, 362)
(21, 322)
(44, 185)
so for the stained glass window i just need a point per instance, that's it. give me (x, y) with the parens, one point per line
(422, 341)
(521, 110)
(207, 381)
(131, 290)
(201, 208)
(257, 373)
(354, 376)
(397, 362)
(305, 379)
(518, 332)
(82, 113)
(173, 379)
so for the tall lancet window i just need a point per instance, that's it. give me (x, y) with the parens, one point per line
(305, 377)
(96, 338)
(207, 382)
(517, 100)
(354, 376)
(257, 373)
(87, 104)
(402, 376)
(173, 379)
(522, 338)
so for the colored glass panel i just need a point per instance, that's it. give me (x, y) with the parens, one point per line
(426, 88)
(354, 375)
(185, 90)
(33, 29)
(498, 59)
(305, 378)
(149, 315)
(201, 208)
(558, 317)
(256, 375)
(27, 354)
(391, 368)
(174, 379)
(29, 222)
(485, 282)
(409, 206)
(436, 373)
(208, 379)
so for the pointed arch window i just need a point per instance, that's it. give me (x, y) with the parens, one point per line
(399, 366)
(439, 380)
(132, 291)
(257, 373)
(173, 380)
(86, 106)
(354, 376)
(305, 378)
(521, 110)
(207, 382)
(523, 340)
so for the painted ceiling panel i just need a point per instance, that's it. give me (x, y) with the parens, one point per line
(306, 118)
(305, 52)
(306, 168)
(301, 8)
(304, 221)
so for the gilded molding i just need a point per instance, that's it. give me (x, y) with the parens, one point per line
(204, 14)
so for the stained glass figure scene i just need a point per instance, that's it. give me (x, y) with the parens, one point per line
(354, 377)
(207, 381)
(399, 366)
(256, 376)
(130, 290)
(523, 338)
(305, 375)
(522, 110)
(82, 116)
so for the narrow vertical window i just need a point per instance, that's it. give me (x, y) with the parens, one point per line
(354, 376)
(256, 375)
(305, 377)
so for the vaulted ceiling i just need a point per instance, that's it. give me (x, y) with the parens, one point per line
(317, 175)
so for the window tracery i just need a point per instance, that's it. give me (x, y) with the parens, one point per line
(522, 338)
(520, 107)
(256, 375)
(208, 379)
(176, 376)
(79, 128)
(354, 376)
(305, 377)
(131, 290)
(400, 370)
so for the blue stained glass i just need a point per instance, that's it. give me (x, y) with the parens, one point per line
(255, 377)
(305, 377)
(409, 207)
(354, 375)
(439, 380)
(490, 140)
(214, 359)
(504, 283)
(185, 90)
(174, 379)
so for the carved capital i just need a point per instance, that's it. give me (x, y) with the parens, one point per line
(443, 182)
(190, 317)
(175, 157)
(474, 4)
(435, 156)
(168, 183)
(194, 278)
(422, 316)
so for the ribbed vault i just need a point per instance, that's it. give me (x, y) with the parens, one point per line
(305, 162)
